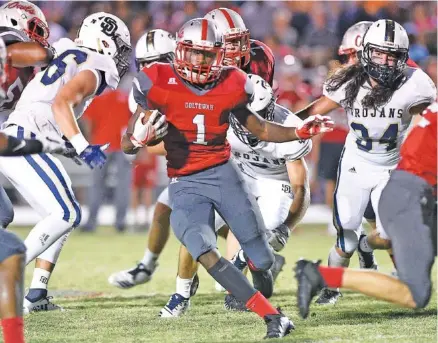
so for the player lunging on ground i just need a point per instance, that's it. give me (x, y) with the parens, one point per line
(408, 211)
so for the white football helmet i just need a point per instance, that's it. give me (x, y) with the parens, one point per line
(263, 103)
(108, 35)
(26, 17)
(352, 39)
(389, 37)
(237, 44)
(155, 45)
(199, 51)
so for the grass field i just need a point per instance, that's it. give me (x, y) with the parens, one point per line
(97, 312)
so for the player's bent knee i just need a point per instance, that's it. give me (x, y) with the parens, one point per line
(347, 241)
(421, 293)
(259, 253)
(197, 243)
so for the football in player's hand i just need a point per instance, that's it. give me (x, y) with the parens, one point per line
(147, 115)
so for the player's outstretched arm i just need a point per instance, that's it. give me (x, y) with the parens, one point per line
(29, 54)
(11, 146)
(323, 105)
(272, 132)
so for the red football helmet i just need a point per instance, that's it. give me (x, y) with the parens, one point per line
(199, 51)
(237, 44)
(26, 17)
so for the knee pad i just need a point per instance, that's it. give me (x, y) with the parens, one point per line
(10, 245)
(259, 253)
(347, 241)
(198, 243)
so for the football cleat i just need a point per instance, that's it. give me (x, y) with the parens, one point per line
(278, 325)
(175, 307)
(231, 303)
(43, 304)
(328, 296)
(310, 282)
(366, 259)
(277, 267)
(131, 277)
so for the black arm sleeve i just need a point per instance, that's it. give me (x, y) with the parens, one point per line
(20, 147)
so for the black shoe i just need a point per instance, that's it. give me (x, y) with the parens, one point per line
(310, 282)
(366, 259)
(277, 267)
(278, 325)
(231, 303)
(262, 280)
(328, 296)
(194, 286)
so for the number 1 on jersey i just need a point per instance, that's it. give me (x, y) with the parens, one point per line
(198, 120)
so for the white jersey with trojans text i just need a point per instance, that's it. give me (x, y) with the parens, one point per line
(263, 167)
(33, 111)
(372, 150)
(267, 159)
(375, 135)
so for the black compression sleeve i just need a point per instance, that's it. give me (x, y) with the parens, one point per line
(20, 147)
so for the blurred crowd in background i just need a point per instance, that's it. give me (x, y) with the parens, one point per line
(304, 37)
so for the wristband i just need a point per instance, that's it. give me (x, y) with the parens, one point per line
(79, 143)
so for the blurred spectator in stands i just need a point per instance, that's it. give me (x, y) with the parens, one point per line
(430, 67)
(300, 17)
(108, 117)
(257, 16)
(318, 34)
(145, 175)
(417, 50)
(286, 34)
(294, 93)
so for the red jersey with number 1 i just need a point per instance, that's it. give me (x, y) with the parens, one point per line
(198, 119)
(418, 152)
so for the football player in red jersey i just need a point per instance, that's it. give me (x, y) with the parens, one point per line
(253, 57)
(408, 207)
(196, 94)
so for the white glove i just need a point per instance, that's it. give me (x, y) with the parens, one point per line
(56, 146)
(145, 133)
(313, 126)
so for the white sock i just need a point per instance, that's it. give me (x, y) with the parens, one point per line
(364, 245)
(183, 286)
(150, 260)
(336, 260)
(40, 278)
(44, 234)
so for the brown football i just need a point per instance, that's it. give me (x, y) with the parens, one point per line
(148, 113)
